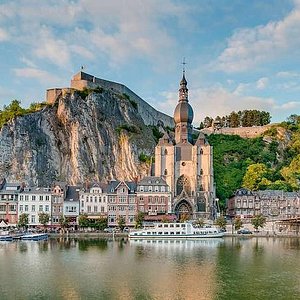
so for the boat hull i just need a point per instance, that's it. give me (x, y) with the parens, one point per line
(34, 237)
(181, 236)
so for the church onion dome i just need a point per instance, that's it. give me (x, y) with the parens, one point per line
(183, 113)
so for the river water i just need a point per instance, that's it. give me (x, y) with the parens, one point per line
(230, 268)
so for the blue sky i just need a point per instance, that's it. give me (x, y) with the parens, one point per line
(239, 54)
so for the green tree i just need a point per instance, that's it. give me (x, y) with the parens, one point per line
(121, 223)
(207, 122)
(64, 222)
(139, 219)
(258, 221)
(101, 223)
(83, 221)
(254, 176)
(234, 119)
(237, 223)
(221, 222)
(44, 218)
(23, 220)
(291, 173)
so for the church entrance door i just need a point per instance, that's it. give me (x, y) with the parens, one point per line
(183, 210)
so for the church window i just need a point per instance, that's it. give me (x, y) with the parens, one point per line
(201, 151)
(166, 152)
(201, 172)
(183, 183)
(183, 163)
(166, 172)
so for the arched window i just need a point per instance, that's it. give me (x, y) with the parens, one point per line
(201, 151)
(166, 152)
(166, 172)
(183, 183)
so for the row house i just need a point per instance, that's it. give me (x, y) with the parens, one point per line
(121, 202)
(272, 204)
(9, 201)
(58, 196)
(71, 205)
(153, 197)
(93, 201)
(33, 201)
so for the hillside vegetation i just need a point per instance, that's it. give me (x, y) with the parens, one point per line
(271, 161)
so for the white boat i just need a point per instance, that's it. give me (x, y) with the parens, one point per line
(35, 236)
(176, 231)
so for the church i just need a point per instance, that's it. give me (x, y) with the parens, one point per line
(187, 164)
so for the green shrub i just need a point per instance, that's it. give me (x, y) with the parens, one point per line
(145, 158)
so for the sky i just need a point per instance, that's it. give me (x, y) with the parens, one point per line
(239, 54)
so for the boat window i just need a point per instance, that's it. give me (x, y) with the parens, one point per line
(177, 225)
(177, 232)
(166, 232)
(165, 225)
(159, 225)
(160, 233)
(172, 232)
(182, 225)
(148, 232)
(171, 225)
(153, 232)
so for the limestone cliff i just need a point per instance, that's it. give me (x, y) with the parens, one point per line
(99, 137)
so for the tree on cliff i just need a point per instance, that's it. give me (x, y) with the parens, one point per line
(255, 176)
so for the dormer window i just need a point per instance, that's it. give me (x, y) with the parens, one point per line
(141, 188)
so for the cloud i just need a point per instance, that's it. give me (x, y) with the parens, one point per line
(41, 75)
(3, 35)
(262, 83)
(249, 47)
(57, 30)
(217, 100)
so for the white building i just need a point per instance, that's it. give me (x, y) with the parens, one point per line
(33, 201)
(93, 201)
(71, 205)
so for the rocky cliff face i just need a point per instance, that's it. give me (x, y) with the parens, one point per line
(97, 138)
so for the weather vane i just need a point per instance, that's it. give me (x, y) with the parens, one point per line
(183, 65)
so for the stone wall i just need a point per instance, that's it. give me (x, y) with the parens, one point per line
(244, 132)
(83, 80)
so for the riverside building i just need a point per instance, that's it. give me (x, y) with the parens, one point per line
(121, 202)
(93, 201)
(33, 201)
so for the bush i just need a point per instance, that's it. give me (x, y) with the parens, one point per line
(128, 128)
(145, 158)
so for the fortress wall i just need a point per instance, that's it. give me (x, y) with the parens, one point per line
(244, 132)
(147, 112)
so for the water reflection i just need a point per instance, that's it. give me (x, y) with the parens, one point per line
(233, 268)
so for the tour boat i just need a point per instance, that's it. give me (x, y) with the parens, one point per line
(177, 231)
(35, 236)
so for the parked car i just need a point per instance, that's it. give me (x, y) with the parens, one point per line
(244, 231)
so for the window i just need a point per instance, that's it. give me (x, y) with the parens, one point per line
(40, 207)
(95, 208)
(102, 209)
(47, 198)
(41, 198)
(47, 208)
(26, 207)
(141, 188)
(150, 188)
(32, 207)
(21, 208)
(89, 209)
(156, 188)
(33, 198)
(26, 197)
(33, 219)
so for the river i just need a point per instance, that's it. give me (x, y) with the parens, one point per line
(230, 268)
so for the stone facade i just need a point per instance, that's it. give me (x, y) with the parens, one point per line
(274, 205)
(187, 165)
